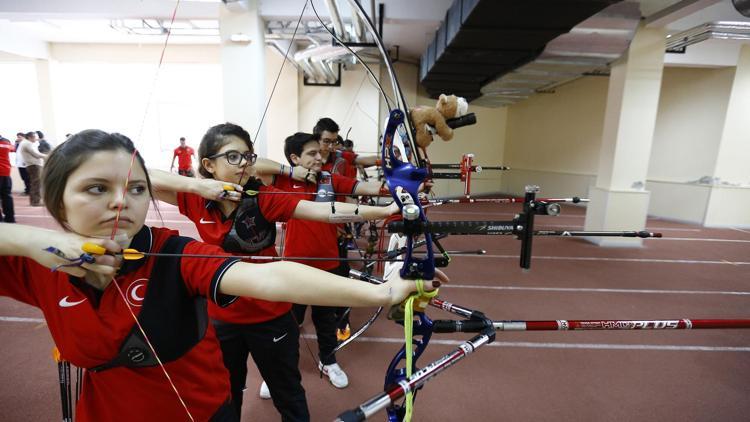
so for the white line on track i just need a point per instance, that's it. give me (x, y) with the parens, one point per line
(543, 345)
(698, 239)
(651, 229)
(453, 285)
(740, 230)
(592, 258)
(19, 319)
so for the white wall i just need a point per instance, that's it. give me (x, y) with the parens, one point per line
(689, 122)
(282, 118)
(121, 88)
(118, 88)
(354, 104)
(553, 140)
(20, 109)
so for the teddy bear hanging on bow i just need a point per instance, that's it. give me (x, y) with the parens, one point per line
(430, 120)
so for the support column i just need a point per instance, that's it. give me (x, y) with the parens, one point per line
(243, 65)
(730, 196)
(619, 200)
(46, 101)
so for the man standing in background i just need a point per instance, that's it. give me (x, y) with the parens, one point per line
(6, 183)
(21, 164)
(34, 161)
(184, 155)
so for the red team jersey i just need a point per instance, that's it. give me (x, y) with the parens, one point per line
(184, 157)
(213, 228)
(312, 238)
(342, 163)
(5, 149)
(89, 326)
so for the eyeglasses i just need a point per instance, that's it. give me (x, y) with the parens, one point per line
(235, 157)
(330, 142)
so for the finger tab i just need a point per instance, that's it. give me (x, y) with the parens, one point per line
(93, 248)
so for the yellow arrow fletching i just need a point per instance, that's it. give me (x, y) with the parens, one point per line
(93, 249)
(131, 254)
(228, 187)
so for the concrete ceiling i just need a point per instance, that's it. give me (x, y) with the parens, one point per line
(409, 24)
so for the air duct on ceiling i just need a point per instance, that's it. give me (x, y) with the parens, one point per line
(712, 30)
(587, 49)
(481, 40)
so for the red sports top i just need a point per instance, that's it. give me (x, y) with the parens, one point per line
(213, 227)
(5, 149)
(312, 238)
(89, 326)
(184, 157)
(342, 163)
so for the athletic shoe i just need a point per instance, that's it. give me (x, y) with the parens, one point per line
(264, 393)
(335, 374)
(343, 334)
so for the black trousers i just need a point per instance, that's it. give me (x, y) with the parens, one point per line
(186, 172)
(225, 414)
(6, 200)
(274, 346)
(324, 319)
(25, 177)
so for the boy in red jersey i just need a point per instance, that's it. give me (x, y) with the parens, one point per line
(316, 239)
(338, 161)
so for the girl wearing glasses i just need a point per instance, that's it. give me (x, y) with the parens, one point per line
(245, 224)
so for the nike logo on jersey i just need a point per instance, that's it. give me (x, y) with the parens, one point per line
(278, 339)
(297, 186)
(64, 303)
(204, 221)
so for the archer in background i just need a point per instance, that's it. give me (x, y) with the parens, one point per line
(337, 160)
(315, 239)
(184, 155)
